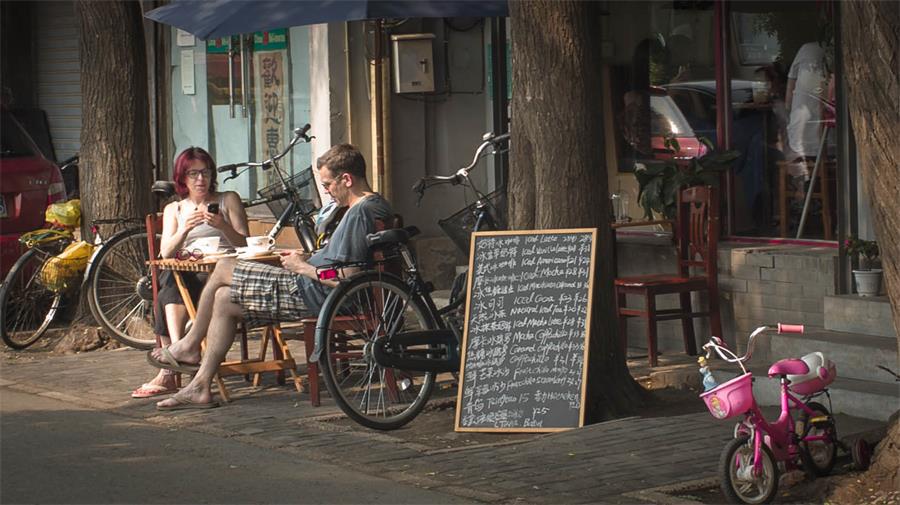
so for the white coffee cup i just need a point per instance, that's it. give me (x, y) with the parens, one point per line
(262, 242)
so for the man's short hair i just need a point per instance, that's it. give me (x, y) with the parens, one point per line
(344, 159)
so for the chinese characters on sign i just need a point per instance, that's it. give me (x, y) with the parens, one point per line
(270, 91)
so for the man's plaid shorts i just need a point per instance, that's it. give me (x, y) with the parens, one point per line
(267, 294)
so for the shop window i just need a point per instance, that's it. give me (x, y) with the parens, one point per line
(662, 84)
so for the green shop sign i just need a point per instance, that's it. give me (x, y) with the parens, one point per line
(272, 40)
(218, 46)
(262, 41)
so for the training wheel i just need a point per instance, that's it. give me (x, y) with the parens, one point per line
(861, 454)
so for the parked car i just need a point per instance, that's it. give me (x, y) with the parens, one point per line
(697, 102)
(667, 119)
(29, 182)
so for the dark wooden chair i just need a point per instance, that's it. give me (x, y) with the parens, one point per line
(309, 324)
(697, 235)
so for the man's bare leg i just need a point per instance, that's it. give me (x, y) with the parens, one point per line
(218, 340)
(187, 349)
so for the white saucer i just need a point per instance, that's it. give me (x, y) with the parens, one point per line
(247, 252)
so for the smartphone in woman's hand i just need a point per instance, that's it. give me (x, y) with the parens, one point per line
(213, 208)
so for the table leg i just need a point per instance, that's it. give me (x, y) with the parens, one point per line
(185, 295)
(192, 313)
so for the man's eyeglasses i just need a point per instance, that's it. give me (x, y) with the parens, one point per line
(328, 184)
(187, 254)
(194, 174)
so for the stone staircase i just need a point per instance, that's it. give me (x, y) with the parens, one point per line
(858, 337)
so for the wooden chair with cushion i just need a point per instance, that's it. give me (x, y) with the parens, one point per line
(309, 324)
(696, 233)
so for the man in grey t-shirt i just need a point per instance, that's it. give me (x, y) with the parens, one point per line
(262, 294)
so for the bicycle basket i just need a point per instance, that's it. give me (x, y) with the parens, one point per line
(731, 399)
(302, 184)
(459, 226)
(65, 269)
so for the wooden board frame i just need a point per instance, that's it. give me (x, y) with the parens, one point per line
(587, 331)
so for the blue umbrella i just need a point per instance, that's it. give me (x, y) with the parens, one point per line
(209, 19)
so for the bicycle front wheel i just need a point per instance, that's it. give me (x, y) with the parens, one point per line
(121, 293)
(739, 481)
(28, 307)
(367, 307)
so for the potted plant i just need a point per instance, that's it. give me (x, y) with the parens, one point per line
(867, 278)
(659, 182)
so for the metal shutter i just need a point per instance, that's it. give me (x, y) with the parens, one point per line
(59, 74)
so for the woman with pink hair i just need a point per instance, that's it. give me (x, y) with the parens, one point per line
(201, 214)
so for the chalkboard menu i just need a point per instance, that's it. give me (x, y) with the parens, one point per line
(526, 333)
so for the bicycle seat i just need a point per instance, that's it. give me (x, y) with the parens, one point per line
(392, 236)
(163, 189)
(790, 366)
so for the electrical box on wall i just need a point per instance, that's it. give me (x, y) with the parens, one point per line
(413, 56)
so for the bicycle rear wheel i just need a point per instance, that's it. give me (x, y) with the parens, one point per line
(818, 447)
(121, 294)
(27, 307)
(367, 307)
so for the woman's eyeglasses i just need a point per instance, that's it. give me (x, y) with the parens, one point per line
(187, 254)
(194, 174)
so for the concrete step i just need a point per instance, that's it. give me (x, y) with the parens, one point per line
(860, 398)
(857, 314)
(855, 355)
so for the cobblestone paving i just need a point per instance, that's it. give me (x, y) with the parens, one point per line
(597, 463)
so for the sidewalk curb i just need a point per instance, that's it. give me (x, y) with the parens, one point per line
(663, 495)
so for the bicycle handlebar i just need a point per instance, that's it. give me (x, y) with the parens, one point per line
(299, 134)
(461, 175)
(718, 345)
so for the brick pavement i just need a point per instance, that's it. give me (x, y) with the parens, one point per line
(598, 463)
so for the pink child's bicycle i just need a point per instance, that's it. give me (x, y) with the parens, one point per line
(750, 464)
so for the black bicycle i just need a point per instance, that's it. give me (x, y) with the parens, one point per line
(294, 199)
(381, 341)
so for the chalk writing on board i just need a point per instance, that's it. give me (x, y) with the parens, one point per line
(526, 331)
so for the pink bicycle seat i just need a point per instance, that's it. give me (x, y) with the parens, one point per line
(790, 366)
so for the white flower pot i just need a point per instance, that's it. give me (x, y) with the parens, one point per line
(868, 282)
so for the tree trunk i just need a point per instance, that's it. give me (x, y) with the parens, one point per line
(870, 32)
(557, 177)
(115, 167)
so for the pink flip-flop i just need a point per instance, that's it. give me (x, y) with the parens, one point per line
(150, 390)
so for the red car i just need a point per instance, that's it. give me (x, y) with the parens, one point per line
(29, 182)
(667, 119)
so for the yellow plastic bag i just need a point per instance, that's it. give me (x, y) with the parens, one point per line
(60, 271)
(67, 214)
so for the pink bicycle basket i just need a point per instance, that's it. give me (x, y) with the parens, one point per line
(730, 399)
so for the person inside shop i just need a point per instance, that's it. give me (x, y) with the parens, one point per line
(806, 88)
(201, 219)
(261, 294)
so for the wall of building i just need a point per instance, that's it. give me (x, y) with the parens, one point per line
(758, 286)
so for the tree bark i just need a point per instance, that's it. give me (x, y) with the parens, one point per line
(557, 177)
(870, 32)
(115, 162)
